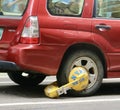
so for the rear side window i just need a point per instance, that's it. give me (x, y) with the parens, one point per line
(65, 7)
(108, 8)
(13, 7)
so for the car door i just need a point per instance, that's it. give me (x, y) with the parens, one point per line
(106, 24)
(64, 19)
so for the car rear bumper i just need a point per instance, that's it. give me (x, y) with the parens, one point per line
(40, 58)
(7, 66)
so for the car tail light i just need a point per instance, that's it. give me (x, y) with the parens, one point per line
(30, 33)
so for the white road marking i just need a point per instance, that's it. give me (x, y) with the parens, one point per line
(6, 82)
(10, 82)
(59, 102)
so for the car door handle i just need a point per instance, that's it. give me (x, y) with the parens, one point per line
(103, 27)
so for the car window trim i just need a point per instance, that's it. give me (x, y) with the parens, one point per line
(11, 17)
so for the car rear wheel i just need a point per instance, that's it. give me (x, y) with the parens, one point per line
(26, 79)
(88, 60)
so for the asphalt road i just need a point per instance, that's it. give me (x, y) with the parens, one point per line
(14, 97)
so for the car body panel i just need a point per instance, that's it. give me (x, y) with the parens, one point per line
(57, 35)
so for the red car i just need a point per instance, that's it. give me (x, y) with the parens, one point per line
(51, 37)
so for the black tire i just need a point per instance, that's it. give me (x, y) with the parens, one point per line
(91, 62)
(26, 79)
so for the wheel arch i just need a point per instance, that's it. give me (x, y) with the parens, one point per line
(86, 46)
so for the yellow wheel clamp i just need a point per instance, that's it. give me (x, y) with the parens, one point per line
(78, 80)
